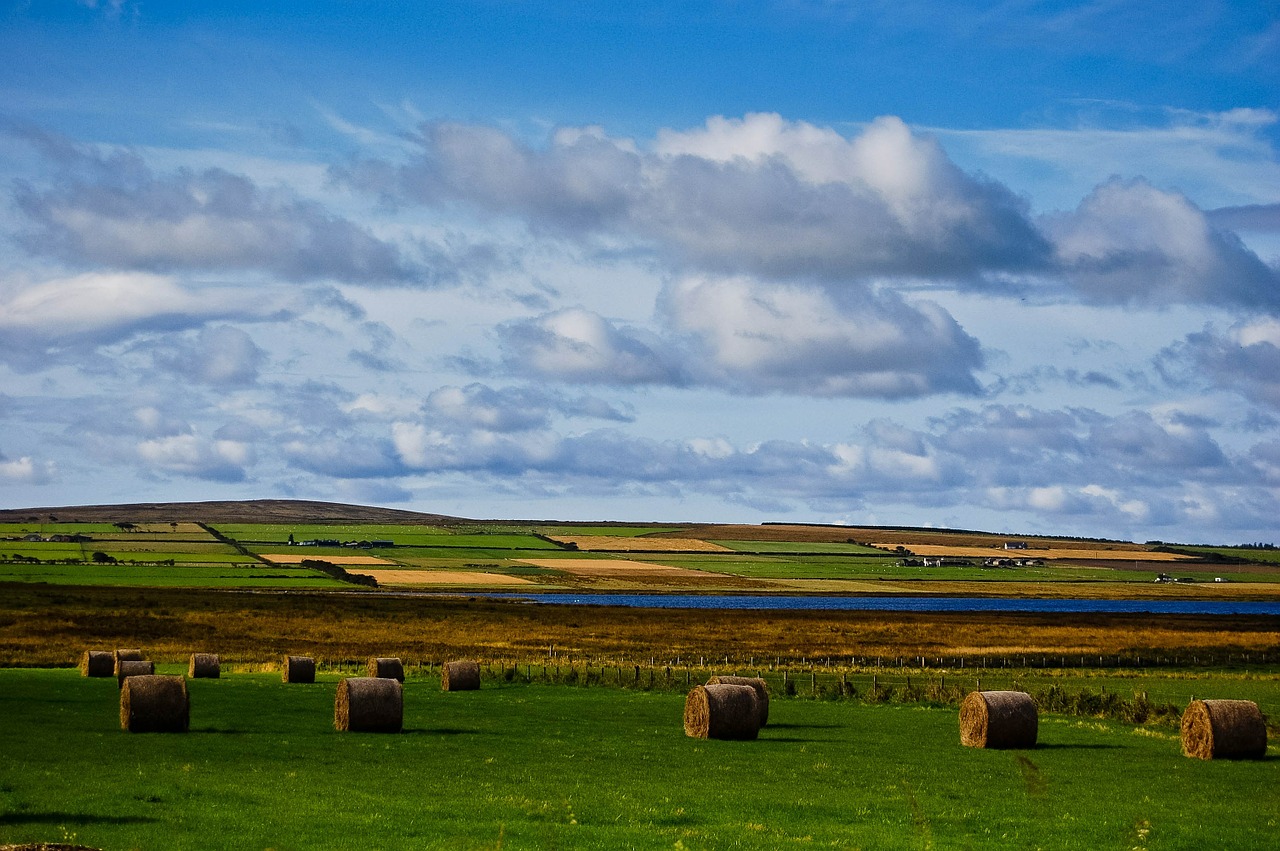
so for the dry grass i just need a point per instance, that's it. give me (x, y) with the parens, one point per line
(609, 543)
(460, 676)
(369, 705)
(616, 568)
(298, 558)
(1046, 554)
(154, 704)
(722, 711)
(97, 663)
(998, 719)
(1224, 729)
(41, 625)
(204, 666)
(470, 578)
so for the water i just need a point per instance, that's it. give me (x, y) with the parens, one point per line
(900, 604)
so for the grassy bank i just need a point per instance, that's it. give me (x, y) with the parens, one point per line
(542, 766)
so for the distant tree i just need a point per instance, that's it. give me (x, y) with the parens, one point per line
(125, 526)
(100, 557)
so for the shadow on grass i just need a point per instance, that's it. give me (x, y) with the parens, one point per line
(79, 819)
(1061, 746)
(772, 726)
(439, 731)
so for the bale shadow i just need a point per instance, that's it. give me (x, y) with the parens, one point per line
(1040, 746)
(439, 731)
(79, 819)
(773, 726)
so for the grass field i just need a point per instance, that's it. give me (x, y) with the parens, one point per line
(160, 576)
(518, 766)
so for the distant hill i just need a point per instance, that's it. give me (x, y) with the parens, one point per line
(223, 511)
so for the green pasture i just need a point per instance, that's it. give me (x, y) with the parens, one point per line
(194, 576)
(518, 766)
(800, 547)
(1261, 556)
(606, 531)
(280, 532)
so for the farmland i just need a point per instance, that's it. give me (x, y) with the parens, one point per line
(438, 552)
(518, 765)
(575, 739)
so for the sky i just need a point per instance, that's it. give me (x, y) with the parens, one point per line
(1010, 266)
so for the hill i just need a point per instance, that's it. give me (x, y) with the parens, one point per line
(224, 511)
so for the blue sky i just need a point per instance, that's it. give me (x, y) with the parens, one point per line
(1011, 266)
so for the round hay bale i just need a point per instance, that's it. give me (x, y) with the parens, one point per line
(132, 668)
(722, 711)
(97, 663)
(155, 704)
(460, 676)
(757, 683)
(298, 669)
(369, 705)
(119, 656)
(1224, 729)
(204, 666)
(387, 668)
(998, 719)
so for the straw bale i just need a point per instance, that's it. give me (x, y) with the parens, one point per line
(298, 669)
(204, 666)
(119, 656)
(155, 704)
(998, 719)
(133, 668)
(757, 683)
(97, 663)
(722, 711)
(386, 668)
(369, 705)
(460, 676)
(1224, 729)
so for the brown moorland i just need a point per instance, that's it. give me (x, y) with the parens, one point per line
(52, 625)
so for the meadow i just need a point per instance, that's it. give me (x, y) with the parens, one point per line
(518, 765)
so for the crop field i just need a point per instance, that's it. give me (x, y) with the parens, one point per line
(518, 765)
(162, 576)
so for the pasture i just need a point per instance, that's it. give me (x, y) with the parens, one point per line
(516, 765)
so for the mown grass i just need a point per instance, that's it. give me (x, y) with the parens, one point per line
(528, 766)
(163, 576)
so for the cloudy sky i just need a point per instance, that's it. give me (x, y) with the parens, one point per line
(1010, 265)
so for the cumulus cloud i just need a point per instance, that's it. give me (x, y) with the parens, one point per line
(221, 355)
(112, 210)
(1245, 358)
(48, 320)
(757, 195)
(1131, 243)
(745, 337)
(789, 339)
(787, 201)
(26, 471)
(196, 457)
(578, 345)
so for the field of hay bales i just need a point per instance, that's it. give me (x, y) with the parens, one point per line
(539, 766)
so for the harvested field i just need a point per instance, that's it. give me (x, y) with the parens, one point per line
(1055, 553)
(444, 577)
(609, 543)
(342, 561)
(616, 568)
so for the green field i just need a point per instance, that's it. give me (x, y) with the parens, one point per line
(152, 576)
(519, 766)
(801, 547)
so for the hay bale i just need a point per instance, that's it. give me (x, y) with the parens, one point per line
(299, 669)
(1224, 729)
(155, 704)
(369, 705)
(757, 683)
(998, 719)
(722, 711)
(97, 663)
(460, 676)
(387, 668)
(119, 656)
(204, 666)
(132, 668)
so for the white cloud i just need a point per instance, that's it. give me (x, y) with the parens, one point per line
(197, 457)
(26, 471)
